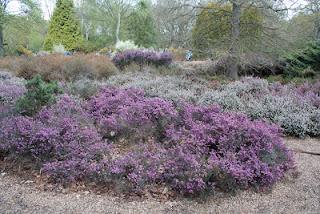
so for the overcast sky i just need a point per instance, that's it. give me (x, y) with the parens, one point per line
(48, 5)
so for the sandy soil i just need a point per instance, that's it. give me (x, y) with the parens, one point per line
(301, 195)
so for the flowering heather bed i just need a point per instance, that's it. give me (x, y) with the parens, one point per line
(11, 88)
(142, 57)
(295, 109)
(186, 147)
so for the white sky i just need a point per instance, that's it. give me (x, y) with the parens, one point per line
(48, 5)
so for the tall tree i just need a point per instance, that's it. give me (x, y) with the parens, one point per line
(313, 8)
(24, 9)
(117, 10)
(237, 8)
(212, 30)
(174, 21)
(64, 27)
(141, 25)
(26, 30)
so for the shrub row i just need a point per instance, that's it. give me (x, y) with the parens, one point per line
(11, 89)
(60, 68)
(186, 147)
(142, 57)
(294, 108)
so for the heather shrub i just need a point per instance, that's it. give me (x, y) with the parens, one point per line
(61, 68)
(206, 148)
(251, 152)
(188, 148)
(38, 95)
(11, 89)
(285, 105)
(125, 45)
(83, 88)
(173, 88)
(292, 107)
(128, 113)
(58, 49)
(141, 58)
(77, 69)
(61, 139)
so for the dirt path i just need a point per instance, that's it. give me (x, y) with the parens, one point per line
(299, 196)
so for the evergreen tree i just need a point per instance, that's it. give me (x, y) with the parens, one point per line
(304, 63)
(141, 25)
(213, 28)
(64, 27)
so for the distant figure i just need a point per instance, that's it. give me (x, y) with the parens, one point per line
(68, 53)
(189, 55)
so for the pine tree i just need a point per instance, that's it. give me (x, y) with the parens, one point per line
(64, 27)
(141, 26)
(300, 63)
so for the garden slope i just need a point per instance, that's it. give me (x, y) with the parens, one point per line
(291, 196)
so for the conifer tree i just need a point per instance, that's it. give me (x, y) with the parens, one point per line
(141, 25)
(64, 27)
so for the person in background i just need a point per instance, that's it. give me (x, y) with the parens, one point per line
(189, 55)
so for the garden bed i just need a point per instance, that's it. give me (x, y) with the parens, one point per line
(146, 134)
(298, 195)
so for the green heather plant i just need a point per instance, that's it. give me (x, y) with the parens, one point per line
(38, 95)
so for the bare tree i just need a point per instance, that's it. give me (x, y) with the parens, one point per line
(3, 9)
(117, 9)
(174, 22)
(48, 6)
(313, 7)
(237, 8)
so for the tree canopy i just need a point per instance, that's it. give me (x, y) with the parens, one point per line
(141, 25)
(64, 27)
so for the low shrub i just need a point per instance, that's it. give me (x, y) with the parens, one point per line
(125, 45)
(128, 113)
(141, 58)
(188, 148)
(280, 104)
(251, 64)
(38, 95)
(173, 88)
(292, 107)
(24, 51)
(83, 88)
(304, 63)
(60, 139)
(11, 89)
(206, 148)
(58, 49)
(60, 68)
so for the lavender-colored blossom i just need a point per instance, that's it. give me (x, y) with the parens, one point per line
(142, 57)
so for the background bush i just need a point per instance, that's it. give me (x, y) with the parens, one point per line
(61, 139)
(188, 148)
(142, 57)
(38, 95)
(11, 89)
(61, 68)
(292, 107)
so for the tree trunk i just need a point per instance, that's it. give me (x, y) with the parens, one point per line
(317, 33)
(1, 42)
(233, 61)
(118, 27)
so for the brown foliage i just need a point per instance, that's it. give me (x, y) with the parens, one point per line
(59, 67)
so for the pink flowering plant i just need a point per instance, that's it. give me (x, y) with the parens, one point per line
(141, 58)
(186, 147)
(206, 148)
